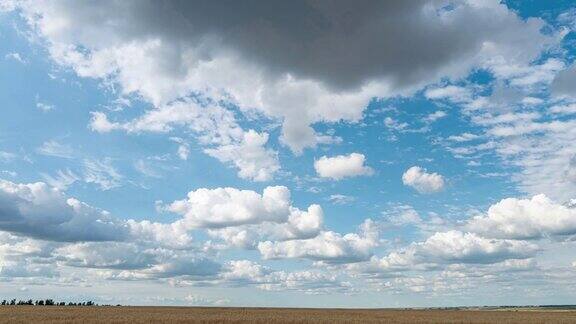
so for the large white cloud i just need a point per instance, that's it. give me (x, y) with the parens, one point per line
(254, 58)
(424, 182)
(328, 246)
(452, 247)
(342, 166)
(525, 219)
(299, 225)
(242, 218)
(223, 207)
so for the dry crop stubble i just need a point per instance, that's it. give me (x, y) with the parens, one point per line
(126, 314)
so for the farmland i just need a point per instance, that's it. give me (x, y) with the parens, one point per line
(126, 314)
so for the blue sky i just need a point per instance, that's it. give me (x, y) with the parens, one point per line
(416, 154)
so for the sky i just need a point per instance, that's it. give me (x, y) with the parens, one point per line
(288, 153)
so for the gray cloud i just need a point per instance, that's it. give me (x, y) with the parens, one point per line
(343, 44)
(39, 211)
(302, 62)
(336, 42)
(564, 83)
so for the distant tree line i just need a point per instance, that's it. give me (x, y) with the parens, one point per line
(45, 302)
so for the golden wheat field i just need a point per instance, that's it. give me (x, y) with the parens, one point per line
(67, 314)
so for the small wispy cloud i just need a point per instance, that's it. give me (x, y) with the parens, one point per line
(439, 114)
(7, 156)
(339, 199)
(102, 173)
(8, 173)
(62, 180)
(146, 169)
(183, 148)
(44, 106)
(15, 57)
(56, 149)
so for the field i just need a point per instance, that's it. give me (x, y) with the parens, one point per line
(70, 314)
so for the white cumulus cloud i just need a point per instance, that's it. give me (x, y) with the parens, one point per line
(525, 219)
(328, 246)
(227, 207)
(424, 182)
(452, 247)
(342, 166)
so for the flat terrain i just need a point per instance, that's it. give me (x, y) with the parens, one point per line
(68, 314)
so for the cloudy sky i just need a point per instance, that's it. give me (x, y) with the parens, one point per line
(288, 153)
